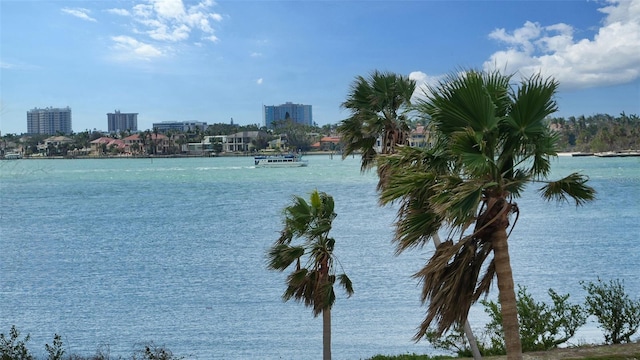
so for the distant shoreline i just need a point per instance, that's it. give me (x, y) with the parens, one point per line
(174, 156)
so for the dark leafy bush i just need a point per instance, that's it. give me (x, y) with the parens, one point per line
(12, 348)
(55, 351)
(542, 326)
(617, 314)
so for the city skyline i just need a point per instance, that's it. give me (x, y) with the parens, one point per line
(172, 60)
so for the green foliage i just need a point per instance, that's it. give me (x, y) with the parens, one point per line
(617, 314)
(150, 351)
(310, 223)
(12, 348)
(600, 132)
(409, 357)
(542, 326)
(55, 351)
(456, 341)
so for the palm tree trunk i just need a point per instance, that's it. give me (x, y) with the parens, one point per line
(326, 334)
(473, 344)
(506, 294)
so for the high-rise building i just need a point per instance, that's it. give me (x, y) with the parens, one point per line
(298, 113)
(183, 126)
(49, 121)
(118, 121)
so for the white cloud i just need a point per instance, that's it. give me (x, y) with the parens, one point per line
(128, 48)
(611, 57)
(121, 12)
(423, 83)
(17, 66)
(256, 54)
(4, 65)
(259, 81)
(172, 21)
(159, 23)
(211, 38)
(80, 13)
(216, 17)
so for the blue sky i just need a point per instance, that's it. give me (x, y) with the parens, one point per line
(173, 60)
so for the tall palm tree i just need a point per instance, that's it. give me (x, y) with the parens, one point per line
(312, 283)
(491, 142)
(379, 107)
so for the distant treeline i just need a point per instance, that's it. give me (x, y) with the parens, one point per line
(598, 133)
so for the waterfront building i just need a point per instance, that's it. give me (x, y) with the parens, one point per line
(49, 121)
(182, 126)
(298, 113)
(242, 141)
(118, 121)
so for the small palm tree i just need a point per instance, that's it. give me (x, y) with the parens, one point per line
(312, 283)
(379, 107)
(491, 142)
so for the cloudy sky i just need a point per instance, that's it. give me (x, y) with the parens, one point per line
(173, 60)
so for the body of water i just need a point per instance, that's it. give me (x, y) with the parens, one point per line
(115, 253)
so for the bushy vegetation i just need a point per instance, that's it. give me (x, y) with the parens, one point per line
(542, 326)
(598, 133)
(618, 315)
(13, 347)
(547, 326)
(410, 357)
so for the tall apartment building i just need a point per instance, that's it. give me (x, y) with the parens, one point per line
(49, 121)
(182, 126)
(118, 121)
(300, 114)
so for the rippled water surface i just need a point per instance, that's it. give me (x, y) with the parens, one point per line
(119, 252)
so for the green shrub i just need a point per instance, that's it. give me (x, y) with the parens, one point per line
(13, 348)
(150, 351)
(617, 314)
(542, 326)
(55, 351)
(456, 341)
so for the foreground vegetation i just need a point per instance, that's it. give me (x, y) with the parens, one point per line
(585, 352)
(14, 347)
(545, 327)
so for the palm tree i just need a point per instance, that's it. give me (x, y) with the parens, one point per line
(312, 283)
(491, 142)
(379, 107)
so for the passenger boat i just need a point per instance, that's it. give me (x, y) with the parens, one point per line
(277, 161)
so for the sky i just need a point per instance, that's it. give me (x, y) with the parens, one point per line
(214, 61)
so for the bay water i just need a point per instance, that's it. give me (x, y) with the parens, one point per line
(115, 253)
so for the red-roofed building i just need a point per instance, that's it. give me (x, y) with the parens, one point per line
(330, 143)
(107, 145)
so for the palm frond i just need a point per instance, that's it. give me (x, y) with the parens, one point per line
(345, 282)
(297, 216)
(457, 201)
(300, 283)
(572, 186)
(450, 282)
(281, 256)
(533, 102)
(415, 225)
(472, 149)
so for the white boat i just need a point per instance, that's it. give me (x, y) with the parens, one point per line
(12, 156)
(287, 160)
